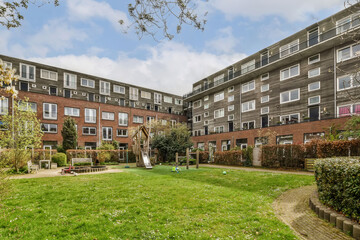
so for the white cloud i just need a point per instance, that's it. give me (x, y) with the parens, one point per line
(292, 10)
(225, 42)
(86, 10)
(170, 67)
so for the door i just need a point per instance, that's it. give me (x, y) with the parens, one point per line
(206, 128)
(122, 154)
(264, 121)
(314, 114)
(231, 126)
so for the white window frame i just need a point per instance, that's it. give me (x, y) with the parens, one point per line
(138, 119)
(246, 86)
(123, 118)
(51, 105)
(42, 72)
(197, 118)
(157, 98)
(231, 98)
(48, 127)
(288, 115)
(265, 110)
(105, 90)
(311, 90)
(231, 89)
(108, 116)
(90, 118)
(309, 99)
(318, 36)
(231, 108)
(122, 135)
(206, 122)
(347, 20)
(248, 66)
(315, 69)
(145, 95)
(119, 89)
(289, 92)
(231, 117)
(206, 105)
(265, 87)
(351, 105)
(168, 99)
(352, 54)
(289, 69)
(351, 82)
(71, 111)
(178, 101)
(262, 99)
(265, 76)
(70, 85)
(107, 133)
(4, 109)
(27, 78)
(133, 94)
(248, 103)
(218, 127)
(287, 48)
(219, 96)
(221, 110)
(198, 103)
(206, 114)
(89, 134)
(88, 85)
(206, 98)
(248, 123)
(314, 61)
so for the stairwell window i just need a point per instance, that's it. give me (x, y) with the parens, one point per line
(314, 73)
(314, 86)
(314, 59)
(146, 95)
(265, 88)
(49, 128)
(231, 108)
(314, 100)
(265, 99)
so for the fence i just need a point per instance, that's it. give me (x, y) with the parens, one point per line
(102, 156)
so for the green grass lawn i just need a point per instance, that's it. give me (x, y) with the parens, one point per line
(149, 204)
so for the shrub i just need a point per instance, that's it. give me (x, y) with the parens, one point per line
(228, 158)
(247, 154)
(60, 159)
(284, 156)
(338, 181)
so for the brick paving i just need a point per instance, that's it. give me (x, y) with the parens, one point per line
(292, 207)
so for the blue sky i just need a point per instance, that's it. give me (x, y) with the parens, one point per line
(84, 35)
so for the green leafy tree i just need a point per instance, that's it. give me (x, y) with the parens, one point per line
(69, 134)
(22, 130)
(105, 155)
(174, 139)
(352, 128)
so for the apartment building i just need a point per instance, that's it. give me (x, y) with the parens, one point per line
(104, 109)
(296, 87)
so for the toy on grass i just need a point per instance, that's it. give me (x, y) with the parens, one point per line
(224, 173)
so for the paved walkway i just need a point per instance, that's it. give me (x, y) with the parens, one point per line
(252, 169)
(292, 207)
(57, 173)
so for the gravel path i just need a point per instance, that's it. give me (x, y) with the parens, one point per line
(292, 207)
(57, 173)
(252, 169)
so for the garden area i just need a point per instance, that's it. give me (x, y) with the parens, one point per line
(158, 204)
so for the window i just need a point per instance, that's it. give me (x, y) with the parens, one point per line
(197, 104)
(8, 65)
(157, 98)
(348, 81)
(4, 106)
(104, 88)
(231, 98)
(265, 110)
(49, 128)
(219, 129)
(146, 95)
(27, 72)
(348, 110)
(138, 119)
(218, 96)
(206, 114)
(247, 87)
(314, 86)
(265, 88)
(91, 97)
(206, 98)
(206, 122)
(132, 104)
(197, 118)
(231, 117)
(248, 106)
(287, 139)
(50, 75)
(25, 106)
(264, 58)
(248, 125)
(348, 52)
(167, 99)
(87, 83)
(69, 80)
(89, 130)
(107, 133)
(178, 101)
(118, 89)
(53, 90)
(290, 72)
(289, 48)
(49, 111)
(265, 99)
(231, 89)
(90, 115)
(123, 119)
(313, 72)
(24, 86)
(231, 108)
(313, 100)
(197, 133)
(134, 93)
(313, 37)
(347, 23)
(67, 93)
(290, 118)
(265, 76)
(122, 102)
(206, 106)
(73, 112)
(290, 96)
(308, 137)
(247, 67)
(219, 79)
(122, 132)
(219, 113)
(314, 59)
(108, 116)
(231, 73)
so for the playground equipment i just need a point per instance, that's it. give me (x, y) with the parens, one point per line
(141, 141)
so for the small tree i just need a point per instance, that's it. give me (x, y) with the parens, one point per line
(352, 128)
(69, 134)
(22, 130)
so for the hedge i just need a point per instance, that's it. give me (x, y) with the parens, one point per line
(60, 159)
(228, 158)
(203, 156)
(338, 181)
(283, 156)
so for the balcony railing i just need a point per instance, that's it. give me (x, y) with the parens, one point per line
(338, 30)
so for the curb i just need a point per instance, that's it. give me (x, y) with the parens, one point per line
(337, 220)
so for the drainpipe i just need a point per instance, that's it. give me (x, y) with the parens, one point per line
(335, 85)
(99, 125)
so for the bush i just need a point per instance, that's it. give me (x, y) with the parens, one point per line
(338, 182)
(248, 156)
(60, 159)
(228, 158)
(283, 156)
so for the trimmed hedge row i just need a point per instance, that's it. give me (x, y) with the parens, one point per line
(228, 158)
(283, 156)
(203, 156)
(326, 149)
(338, 181)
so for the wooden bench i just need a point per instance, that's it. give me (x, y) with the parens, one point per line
(81, 160)
(32, 167)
